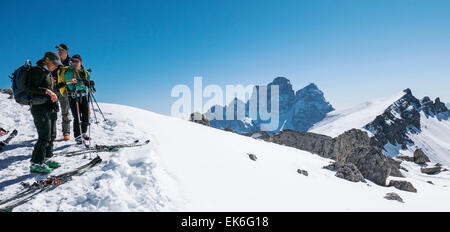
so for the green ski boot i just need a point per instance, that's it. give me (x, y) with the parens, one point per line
(52, 164)
(40, 168)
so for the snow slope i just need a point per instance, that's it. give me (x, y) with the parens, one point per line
(339, 121)
(433, 139)
(190, 167)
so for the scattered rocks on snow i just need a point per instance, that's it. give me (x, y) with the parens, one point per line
(394, 197)
(420, 157)
(403, 185)
(430, 182)
(303, 172)
(430, 171)
(252, 157)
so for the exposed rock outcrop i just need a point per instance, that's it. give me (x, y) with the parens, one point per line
(354, 147)
(8, 91)
(321, 145)
(346, 171)
(199, 118)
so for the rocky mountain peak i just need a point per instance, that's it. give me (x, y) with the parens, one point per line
(297, 111)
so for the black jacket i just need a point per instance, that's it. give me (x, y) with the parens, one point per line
(39, 79)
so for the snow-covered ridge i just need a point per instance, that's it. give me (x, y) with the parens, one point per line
(339, 121)
(190, 167)
(401, 123)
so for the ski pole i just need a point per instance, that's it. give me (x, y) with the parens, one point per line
(92, 107)
(99, 107)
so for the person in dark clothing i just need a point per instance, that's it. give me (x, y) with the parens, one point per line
(77, 79)
(40, 83)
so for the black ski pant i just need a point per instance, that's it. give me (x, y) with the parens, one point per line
(44, 117)
(83, 110)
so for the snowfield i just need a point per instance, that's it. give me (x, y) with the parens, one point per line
(190, 167)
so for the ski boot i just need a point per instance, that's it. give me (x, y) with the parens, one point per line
(40, 168)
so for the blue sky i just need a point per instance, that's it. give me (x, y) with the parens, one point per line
(353, 50)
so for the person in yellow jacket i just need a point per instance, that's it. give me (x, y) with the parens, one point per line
(77, 80)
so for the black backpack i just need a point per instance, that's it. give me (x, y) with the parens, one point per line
(19, 80)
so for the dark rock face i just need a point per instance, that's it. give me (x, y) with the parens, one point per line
(403, 185)
(354, 147)
(297, 111)
(346, 171)
(433, 108)
(394, 197)
(396, 121)
(321, 145)
(199, 118)
(403, 116)
(431, 171)
(420, 157)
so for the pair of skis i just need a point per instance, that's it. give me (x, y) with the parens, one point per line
(103, 148)
(31, 190)
(7, 140)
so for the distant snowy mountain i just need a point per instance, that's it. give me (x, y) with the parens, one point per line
(190, 167)
(401, 124)
(297, 111)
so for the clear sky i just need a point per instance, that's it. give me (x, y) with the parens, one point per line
(353, 50)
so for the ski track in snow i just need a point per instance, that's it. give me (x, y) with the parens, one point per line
(190, 167)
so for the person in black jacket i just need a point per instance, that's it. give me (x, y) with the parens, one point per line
(40, 83)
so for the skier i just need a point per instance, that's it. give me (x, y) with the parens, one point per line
(78, 79)
(61, 91)
(40, 83)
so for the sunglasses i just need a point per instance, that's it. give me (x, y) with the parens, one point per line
(75, 61)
